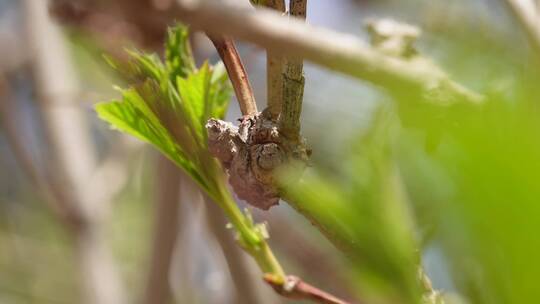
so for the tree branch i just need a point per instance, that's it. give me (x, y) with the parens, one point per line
(237, 73)
(244, 283)
(340, 52)
(294, 288)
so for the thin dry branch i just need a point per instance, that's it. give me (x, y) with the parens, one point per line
(337, 51)
(295, 288)
(237, 73)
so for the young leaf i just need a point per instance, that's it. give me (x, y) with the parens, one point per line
(169, 104)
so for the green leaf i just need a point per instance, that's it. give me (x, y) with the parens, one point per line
(194, 95)
(178, 57)
(149, 65)
(134, 117)
(168, 105)
(220, 91)
(123, 118)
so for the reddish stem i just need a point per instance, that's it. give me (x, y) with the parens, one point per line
(294, 288)
(237, 73)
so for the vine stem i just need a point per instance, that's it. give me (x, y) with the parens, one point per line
(254, 243)
(242, 273)
(237, 73)
(252, 237)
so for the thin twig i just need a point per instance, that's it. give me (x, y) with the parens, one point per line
(274, 70)
(337, 51)
(526, 13)
(306, 252)
(293, 82)
(237, 73)
(244, 283)
(294, 288)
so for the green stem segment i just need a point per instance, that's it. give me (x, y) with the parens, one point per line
(311, 213)
(274, 69)
(293, 82)
(266, 260)
(250, 237)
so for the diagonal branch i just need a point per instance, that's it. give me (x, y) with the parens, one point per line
(245, 286)
(237, 73)
(340, 52)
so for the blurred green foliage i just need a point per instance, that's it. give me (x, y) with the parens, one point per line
(481, 189)
(363, 206)
(471, 177)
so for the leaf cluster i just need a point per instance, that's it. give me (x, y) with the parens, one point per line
(168, 104)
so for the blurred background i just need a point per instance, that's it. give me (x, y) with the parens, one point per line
(88, 215)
